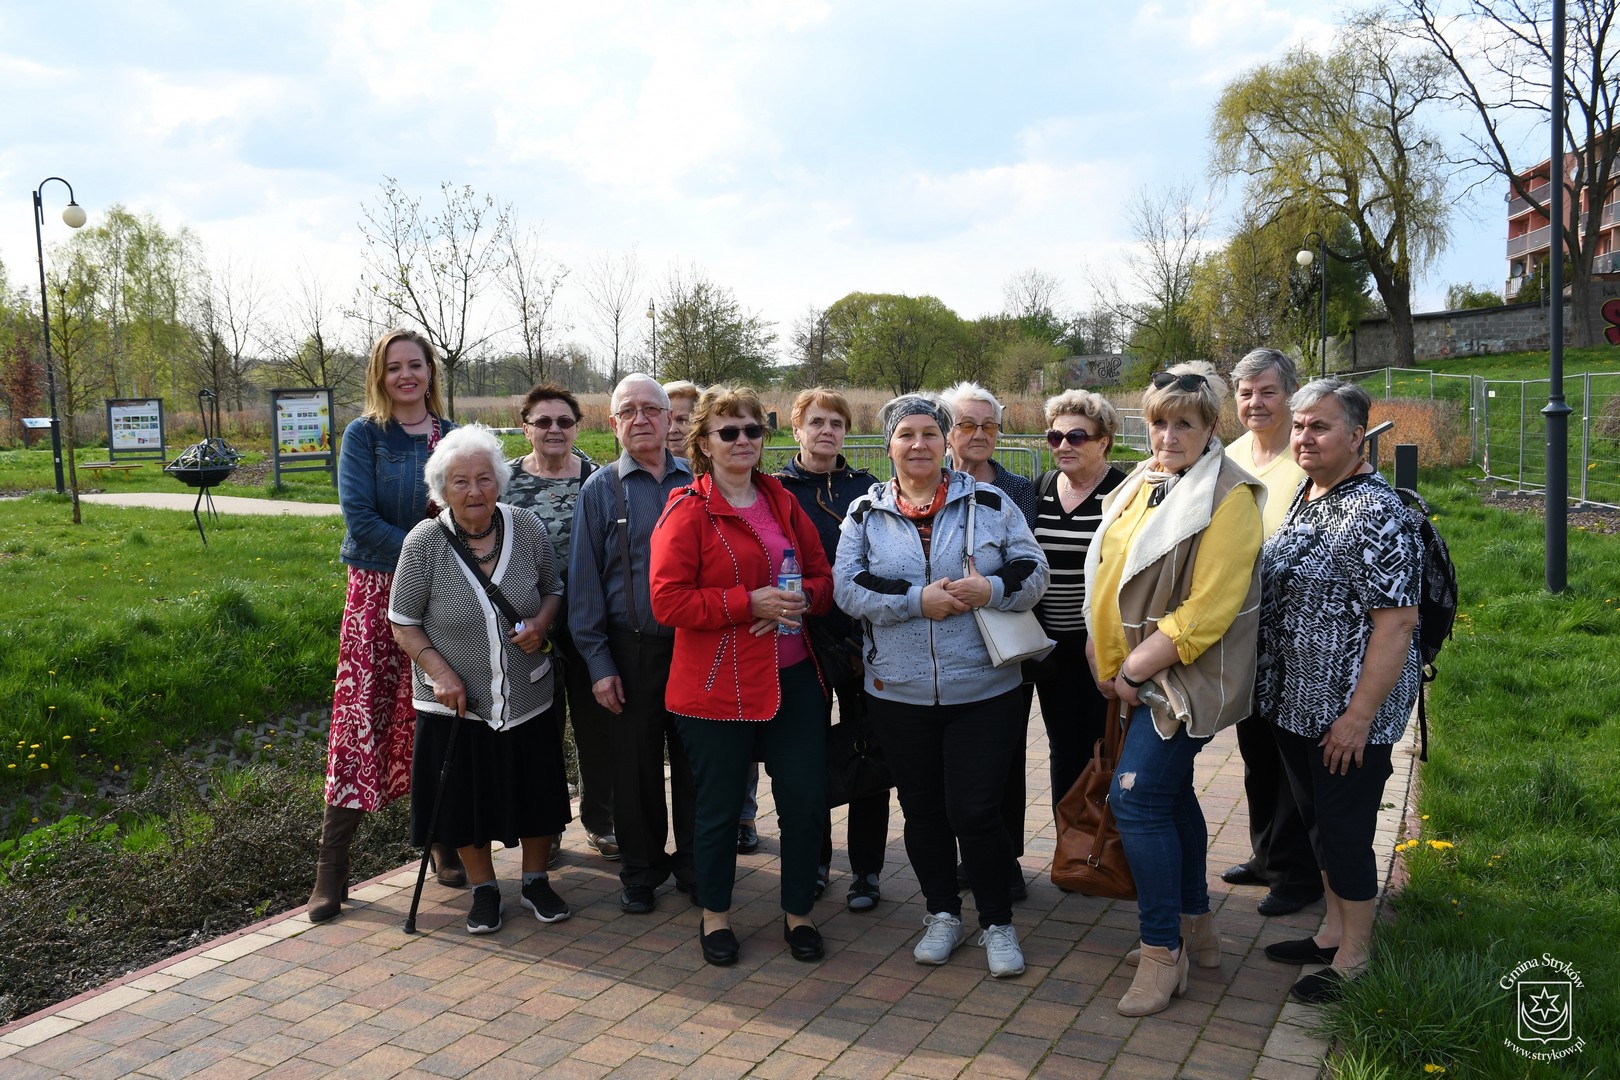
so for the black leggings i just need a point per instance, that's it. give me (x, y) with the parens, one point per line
(1341, 811)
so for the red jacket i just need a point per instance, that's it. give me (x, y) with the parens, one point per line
(705, 561)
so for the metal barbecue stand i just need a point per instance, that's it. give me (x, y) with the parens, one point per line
(203, 465)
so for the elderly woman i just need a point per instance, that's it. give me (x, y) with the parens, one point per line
(1081, 427)
(683, 397)
(1339, 670)
(547, 481)
(506, 782)
(1172, 612)
(742, 680)
(381, 490)
(949, 722)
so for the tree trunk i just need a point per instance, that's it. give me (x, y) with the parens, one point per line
(1584, 322)
(1398, 301)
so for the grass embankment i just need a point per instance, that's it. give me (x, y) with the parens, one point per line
(1522, 797)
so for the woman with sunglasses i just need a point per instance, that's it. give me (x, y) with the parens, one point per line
(1172, 618)
(547, 480)
(743, 681)
(1069, 509)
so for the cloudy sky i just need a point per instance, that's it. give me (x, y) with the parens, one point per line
(796, 151)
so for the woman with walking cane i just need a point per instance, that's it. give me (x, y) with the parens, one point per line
(458, 575)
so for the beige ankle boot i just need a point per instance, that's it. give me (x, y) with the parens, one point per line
(1198, 936)
(1159, 977)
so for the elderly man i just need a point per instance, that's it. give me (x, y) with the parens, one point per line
(1283, 859)
(626, 651)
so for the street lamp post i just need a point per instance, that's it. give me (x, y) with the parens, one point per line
(652, 313)
(1305, 258)
(73, 215)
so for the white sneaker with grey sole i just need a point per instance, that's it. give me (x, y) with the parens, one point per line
(942, 933)
(1001, 949)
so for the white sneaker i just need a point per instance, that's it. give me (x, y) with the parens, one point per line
(1001, 947)
(941, 935)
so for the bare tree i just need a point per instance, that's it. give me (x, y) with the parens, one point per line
(234, 300)
(815, 350)
(1031, 298)
(430, 270)
(611, 286)
(1151, 298)
(530, 282)
(313, 348)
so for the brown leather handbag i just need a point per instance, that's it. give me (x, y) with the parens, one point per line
(1090, 858)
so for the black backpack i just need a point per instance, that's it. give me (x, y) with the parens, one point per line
(1437, 601)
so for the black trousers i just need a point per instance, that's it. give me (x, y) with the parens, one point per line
(1277, 830)
(1340, 810)
(641, 735)
(867, 826)
(1072, 708)
(593, 736)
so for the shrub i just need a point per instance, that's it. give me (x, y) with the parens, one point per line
(1438, 428)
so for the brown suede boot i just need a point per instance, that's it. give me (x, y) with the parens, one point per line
(1159, 977)
(447, 868)
(332, 866)
(1198, 936)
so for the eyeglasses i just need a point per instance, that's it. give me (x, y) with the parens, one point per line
(729, 434)
(628, 414)
(969, 428)
(1075, 437)
(1190, 382)
(544, 422)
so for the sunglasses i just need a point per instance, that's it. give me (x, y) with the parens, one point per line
(729, 434)
(969, 428)
(1191, 382)
(1076, 437)
(544, 422)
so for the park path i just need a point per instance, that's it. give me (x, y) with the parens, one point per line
(224, 504)
(629, 996)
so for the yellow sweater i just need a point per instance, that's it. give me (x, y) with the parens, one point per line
(1280, 475)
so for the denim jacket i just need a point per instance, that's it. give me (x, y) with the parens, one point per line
(381, 489)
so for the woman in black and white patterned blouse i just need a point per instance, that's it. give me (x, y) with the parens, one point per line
(1338, 669)
(507, 781)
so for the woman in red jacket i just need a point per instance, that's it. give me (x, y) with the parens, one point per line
(743, 684)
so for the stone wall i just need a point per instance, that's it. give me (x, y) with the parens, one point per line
(1476, 332)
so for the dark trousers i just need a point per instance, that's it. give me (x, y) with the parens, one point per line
(641, 734)
(867, 826)
(950, 766)
(593, 737)
(1340, 811)
(1072, 708)
(1277, 832)
(793, 746)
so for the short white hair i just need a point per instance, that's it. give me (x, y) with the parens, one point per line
(637, 378)
(469, 441)
(964, 392)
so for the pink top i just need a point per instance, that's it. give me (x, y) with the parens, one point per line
(790, 648)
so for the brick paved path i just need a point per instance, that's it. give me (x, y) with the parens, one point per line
(612, 994)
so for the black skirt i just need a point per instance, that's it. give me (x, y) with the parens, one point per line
(503, 785)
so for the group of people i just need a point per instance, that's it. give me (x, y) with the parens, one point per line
(1272, 585)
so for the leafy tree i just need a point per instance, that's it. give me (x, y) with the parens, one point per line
(1466, 295)
(1024, 365)
(900, 343)
(1031, 298)
(705, 336)
(1339, 135)
(815, 357)
(1500, 58)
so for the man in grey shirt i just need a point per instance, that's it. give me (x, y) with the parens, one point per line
(626, 651)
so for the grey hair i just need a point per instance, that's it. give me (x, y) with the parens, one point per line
(897, 409)
(637, 378)
(682, 388)
(1355, 401)
(468, 441)
(1259, 361)
(964, 392)
(1159, 402)
(1084, 403)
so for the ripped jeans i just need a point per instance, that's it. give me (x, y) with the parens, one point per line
(1162, 827)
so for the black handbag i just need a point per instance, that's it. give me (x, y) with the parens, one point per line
(856, 768)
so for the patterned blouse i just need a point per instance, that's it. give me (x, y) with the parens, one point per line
(1334, 561)
(435, 590)
(552, 501)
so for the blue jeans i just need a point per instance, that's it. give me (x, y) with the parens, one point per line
(1162, 827)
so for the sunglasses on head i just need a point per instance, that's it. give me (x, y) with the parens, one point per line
(544, 422)
(729, 434)
(1189, 382)
(1076, 437)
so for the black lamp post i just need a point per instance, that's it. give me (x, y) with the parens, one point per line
(1305, 258)
(73, 215)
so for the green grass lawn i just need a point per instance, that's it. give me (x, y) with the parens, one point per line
(1522, 784)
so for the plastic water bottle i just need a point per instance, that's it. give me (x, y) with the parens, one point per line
(789, 579)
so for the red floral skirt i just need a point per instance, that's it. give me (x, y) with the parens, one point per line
(368, 754)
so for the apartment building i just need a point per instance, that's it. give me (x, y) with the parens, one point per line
(1529, 232)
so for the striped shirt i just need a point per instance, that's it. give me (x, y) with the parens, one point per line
(1065, 536)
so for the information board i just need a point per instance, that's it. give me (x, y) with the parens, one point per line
(135, 428)
(302, 429)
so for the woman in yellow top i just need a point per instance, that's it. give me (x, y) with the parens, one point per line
(1172, 614)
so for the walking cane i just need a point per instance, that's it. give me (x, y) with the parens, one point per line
(433, 822)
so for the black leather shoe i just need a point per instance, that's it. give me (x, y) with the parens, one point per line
(1303, 951)
(747, 838)
(719, 948)
(636, 900)
(1319, 987)
(1276, 903)
(804, 942)
(1241, 874)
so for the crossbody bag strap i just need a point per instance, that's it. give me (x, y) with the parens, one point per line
(623, 521)
(491, 590)
(967, 551)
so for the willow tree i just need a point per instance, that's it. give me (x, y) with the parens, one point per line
(1340, 135)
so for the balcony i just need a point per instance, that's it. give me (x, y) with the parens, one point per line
(1534, 240)
(1517, 206)
(1607, 264)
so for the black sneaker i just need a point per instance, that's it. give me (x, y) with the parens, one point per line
(485, 916)
(540, 898)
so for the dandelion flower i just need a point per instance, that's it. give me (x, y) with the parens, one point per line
(1441, 845)
(1433, 1068)
(44, 765)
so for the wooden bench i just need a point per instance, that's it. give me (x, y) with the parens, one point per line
(101, 466)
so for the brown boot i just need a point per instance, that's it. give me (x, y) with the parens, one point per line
(332, 866)
(1159, 977)
(1198, 936)
(447, 868)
